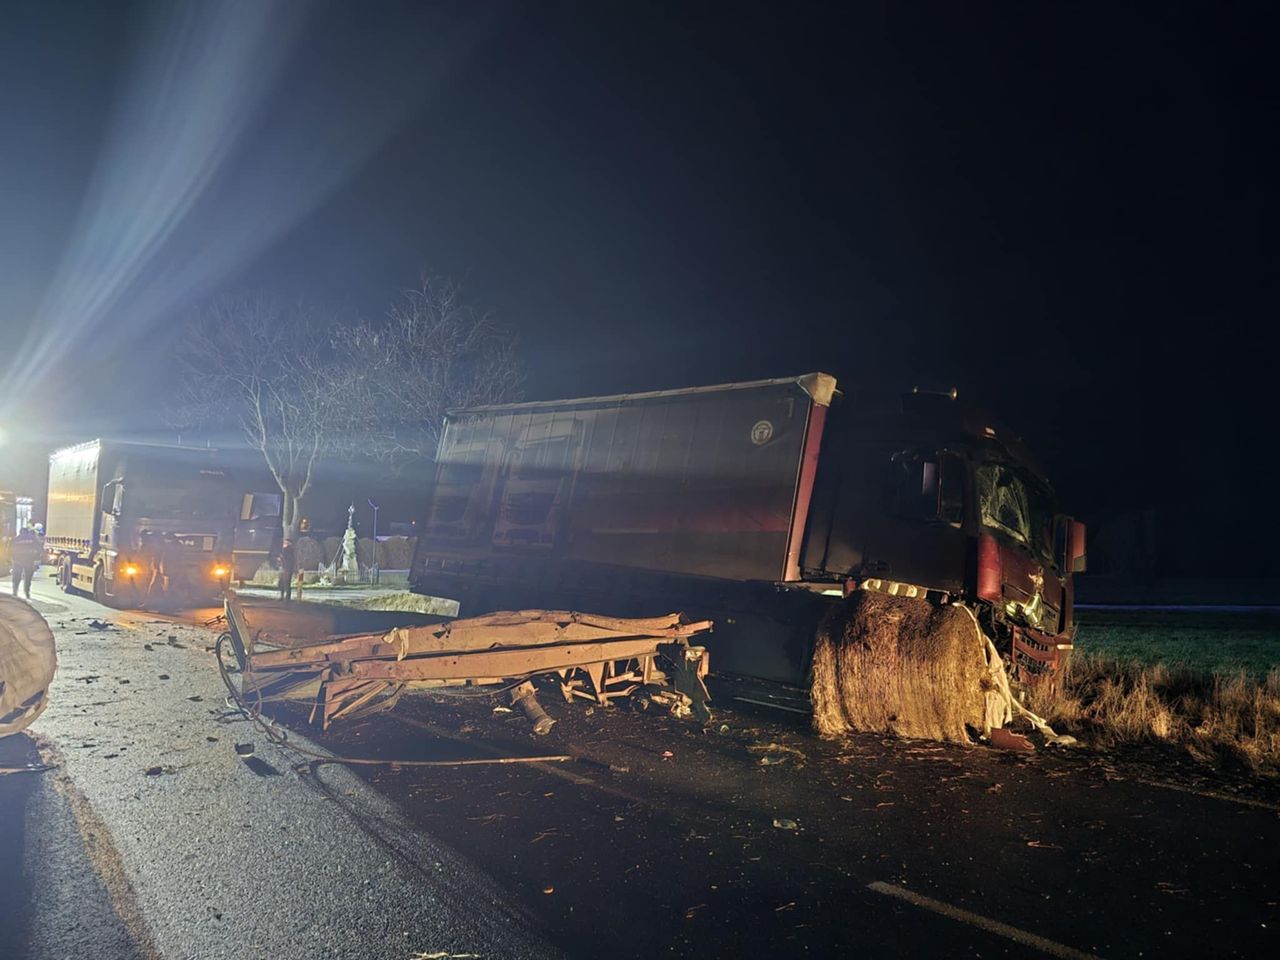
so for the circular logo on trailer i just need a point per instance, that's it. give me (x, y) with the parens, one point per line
(762, 433)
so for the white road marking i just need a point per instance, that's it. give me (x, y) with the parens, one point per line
(1213, 795)
(1017, 935)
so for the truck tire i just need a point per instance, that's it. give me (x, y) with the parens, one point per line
(101, 587)
(64, 576)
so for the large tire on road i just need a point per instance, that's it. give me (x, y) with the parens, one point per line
(28, 661)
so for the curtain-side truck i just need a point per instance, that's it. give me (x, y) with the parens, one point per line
(128, 522)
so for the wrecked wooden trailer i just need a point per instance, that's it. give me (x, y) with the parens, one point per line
(350, 663)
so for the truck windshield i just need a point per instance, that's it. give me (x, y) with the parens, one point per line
(180, 495)
(1021, 509)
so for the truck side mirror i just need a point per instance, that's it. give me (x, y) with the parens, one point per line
(113, 497)
(1068, 544)
(1077, 547)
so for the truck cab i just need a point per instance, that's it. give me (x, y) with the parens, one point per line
(934, 499)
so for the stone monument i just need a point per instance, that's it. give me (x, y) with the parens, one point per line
(350, 568)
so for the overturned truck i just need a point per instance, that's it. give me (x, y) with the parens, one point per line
(773, 508)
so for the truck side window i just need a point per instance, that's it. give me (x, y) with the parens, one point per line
(928, 487)
(951, 488)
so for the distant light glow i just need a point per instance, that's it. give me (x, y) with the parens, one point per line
(228, 130)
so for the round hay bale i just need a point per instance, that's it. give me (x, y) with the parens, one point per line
(898, 665)
(28, 660)
(308, 554)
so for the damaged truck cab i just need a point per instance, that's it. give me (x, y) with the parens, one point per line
(760, 506)
(926, 498)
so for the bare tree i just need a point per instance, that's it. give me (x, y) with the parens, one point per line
(270, 370)
(434, 351)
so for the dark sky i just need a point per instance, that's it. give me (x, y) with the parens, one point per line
(1065, 210)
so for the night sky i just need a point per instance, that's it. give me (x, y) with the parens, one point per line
(1064, 210)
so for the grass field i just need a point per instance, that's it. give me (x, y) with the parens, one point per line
(1203, 641)
(1207, 681)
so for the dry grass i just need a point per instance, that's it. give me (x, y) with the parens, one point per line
(1231, 718)
(896, 665)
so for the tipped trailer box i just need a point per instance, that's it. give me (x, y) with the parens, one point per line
(127, 521)
(758, 505)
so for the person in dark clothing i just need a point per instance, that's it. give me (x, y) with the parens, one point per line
(26, 557)
(149, 553)
(288, 559)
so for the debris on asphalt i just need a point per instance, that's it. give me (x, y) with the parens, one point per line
(1004, 739)
(782, 823)
(99, 625)
(774, 753)
(147, 646)
(164, 676)
(244, 749)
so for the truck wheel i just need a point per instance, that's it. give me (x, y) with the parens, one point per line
(102, 591)
(64, 576)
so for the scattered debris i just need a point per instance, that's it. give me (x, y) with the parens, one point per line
(783, 823)
(775, 753)
(99, 625)
(1005, 739)
(196, 699)
(548, 889)
(244, 749)
(292, 655)
(164, 676)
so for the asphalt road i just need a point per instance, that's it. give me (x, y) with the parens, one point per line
(153, 838)
(749, 837)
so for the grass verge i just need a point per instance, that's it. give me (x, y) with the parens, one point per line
(1231, 718)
